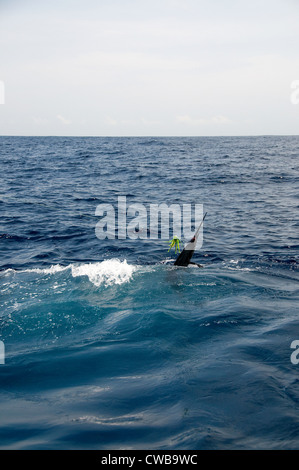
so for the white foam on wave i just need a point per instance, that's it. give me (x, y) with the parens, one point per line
(233, 265)
(51, 270)
(106, 272)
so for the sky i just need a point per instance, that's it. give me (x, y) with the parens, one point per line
(149, 67)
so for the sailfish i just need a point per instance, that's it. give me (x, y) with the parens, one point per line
(184, 258)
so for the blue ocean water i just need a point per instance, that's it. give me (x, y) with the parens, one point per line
(109, 347)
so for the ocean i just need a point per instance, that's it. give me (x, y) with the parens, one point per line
(110, 346)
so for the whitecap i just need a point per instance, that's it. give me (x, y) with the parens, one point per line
(107, 272)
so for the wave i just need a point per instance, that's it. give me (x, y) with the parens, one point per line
(105, 273)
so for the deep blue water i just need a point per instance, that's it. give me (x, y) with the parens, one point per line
(106, 346)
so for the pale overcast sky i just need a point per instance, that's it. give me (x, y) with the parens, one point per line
(149, 67)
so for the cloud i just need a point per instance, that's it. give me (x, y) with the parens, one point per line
(63, 120)
(215, 120)
(156, 68)
(40, 121)
(110, 121)
(2, 92)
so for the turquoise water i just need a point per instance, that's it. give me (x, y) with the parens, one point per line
(107, 344)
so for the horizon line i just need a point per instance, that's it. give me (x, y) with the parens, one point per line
(149, 136)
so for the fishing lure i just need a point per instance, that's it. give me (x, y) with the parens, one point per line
(175, 242)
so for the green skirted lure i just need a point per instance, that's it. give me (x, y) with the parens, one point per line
(175, 242)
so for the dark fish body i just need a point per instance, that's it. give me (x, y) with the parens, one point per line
(184, 258)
